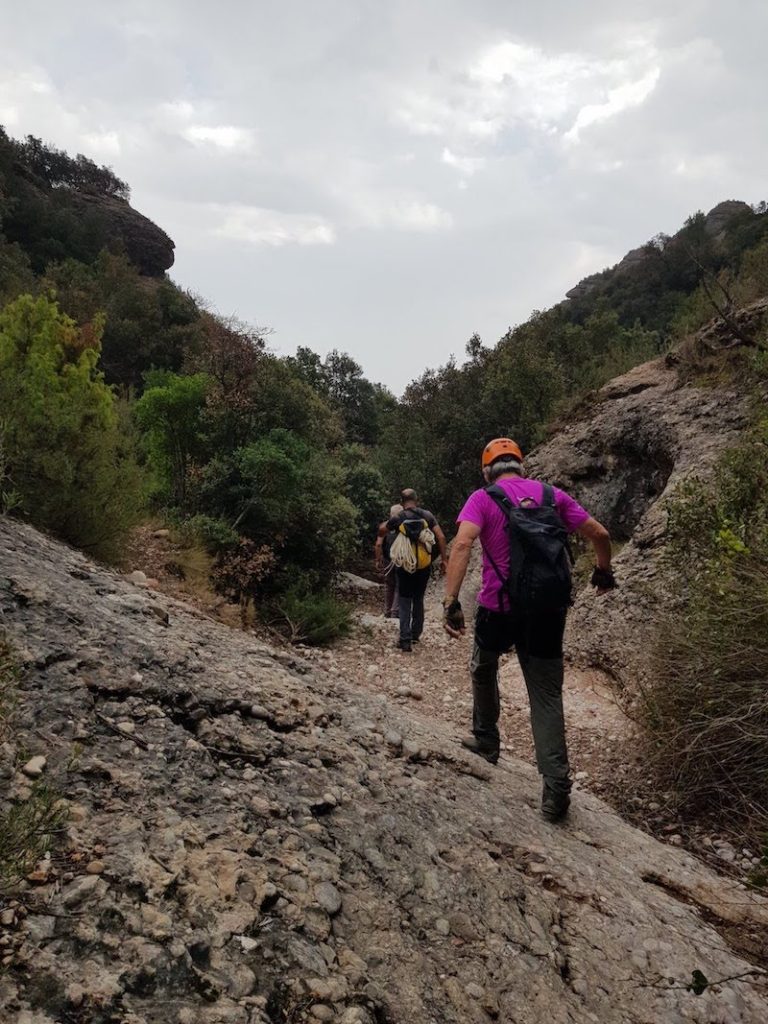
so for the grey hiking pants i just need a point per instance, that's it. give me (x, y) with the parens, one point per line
(538, 642)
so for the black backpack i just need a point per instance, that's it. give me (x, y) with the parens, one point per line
(539, 555)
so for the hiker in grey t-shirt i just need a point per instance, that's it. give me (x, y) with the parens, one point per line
(412, 585)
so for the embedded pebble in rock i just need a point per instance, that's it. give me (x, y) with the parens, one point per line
(275, 843)
(329, 897)
(35, 766)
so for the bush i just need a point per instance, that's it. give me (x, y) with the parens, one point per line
(67, 458)
(26, 829)
(306, 617)
(706, 706)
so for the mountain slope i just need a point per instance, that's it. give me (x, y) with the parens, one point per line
(271, 844)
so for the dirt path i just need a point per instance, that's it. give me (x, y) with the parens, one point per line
(435, 679)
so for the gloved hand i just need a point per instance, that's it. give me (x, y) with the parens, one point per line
(603, 579)
(453, 618)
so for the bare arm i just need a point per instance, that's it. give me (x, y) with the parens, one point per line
(460, 552)
(378, 549)
(442, 547)
(600, 539)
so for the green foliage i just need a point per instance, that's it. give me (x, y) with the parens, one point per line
(308, 617)
(365, 489)
(26, 829)
(170, 414)
(8, 674)
(70, 462)
(26, 833)
(706, 707)
(340, 381)
(147, 323)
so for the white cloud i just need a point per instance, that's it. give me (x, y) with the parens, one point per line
(259, 226)
(516, 84)
(466, 165)
(223, 136)
(623, 97)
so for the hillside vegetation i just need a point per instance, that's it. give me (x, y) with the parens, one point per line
(281, 467)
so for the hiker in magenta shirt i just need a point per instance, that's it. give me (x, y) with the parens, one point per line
(523, 526)
(481, 510)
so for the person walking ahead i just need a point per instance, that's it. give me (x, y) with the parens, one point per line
(385, 567)
(526, 590)
(417, 531)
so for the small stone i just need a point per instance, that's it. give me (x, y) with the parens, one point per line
(94, 867)
(329, 897)
(442, 927)
(138, 578)
(403, 691)
(161, 534)
(260, 806)
(80, 890)
(127, 727)
(675, 840)
(320, 1011)
(580, 776)
(7, 917)
(77, 813)
(474, 991)
(579, 986)
(35, 766)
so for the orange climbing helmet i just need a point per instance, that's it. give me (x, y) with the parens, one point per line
(498, 448)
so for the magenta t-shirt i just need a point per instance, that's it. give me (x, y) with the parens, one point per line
(481, 510)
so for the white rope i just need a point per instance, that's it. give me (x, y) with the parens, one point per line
(404, 553)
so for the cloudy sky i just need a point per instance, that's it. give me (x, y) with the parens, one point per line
(389, 177)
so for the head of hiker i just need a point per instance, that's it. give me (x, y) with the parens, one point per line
(408, 497)
(500, 457)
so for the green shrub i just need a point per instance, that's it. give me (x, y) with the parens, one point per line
(306, 617)
(706, 707)
(26, 832)
(66, 453)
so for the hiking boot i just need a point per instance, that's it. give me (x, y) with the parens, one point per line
(554, 805)
(484, 748)
(404, 646)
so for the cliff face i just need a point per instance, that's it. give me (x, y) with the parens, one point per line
(147, 246)
(250, 840)
(645, 433)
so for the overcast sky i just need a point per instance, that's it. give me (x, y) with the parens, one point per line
(389, 176)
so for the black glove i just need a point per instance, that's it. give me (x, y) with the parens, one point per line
(453, 616)
(603, 579)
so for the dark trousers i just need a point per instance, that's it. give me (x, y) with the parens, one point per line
(412, 586)
(538, 641)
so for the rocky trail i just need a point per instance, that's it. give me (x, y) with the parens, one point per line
(606, 753)
(252, 838)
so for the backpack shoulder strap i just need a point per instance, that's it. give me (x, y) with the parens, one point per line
(548, 495)
(500, 498)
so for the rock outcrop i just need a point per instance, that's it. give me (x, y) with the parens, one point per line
(622, 457)
(716, 223)
(147, 246)
(249, 840)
